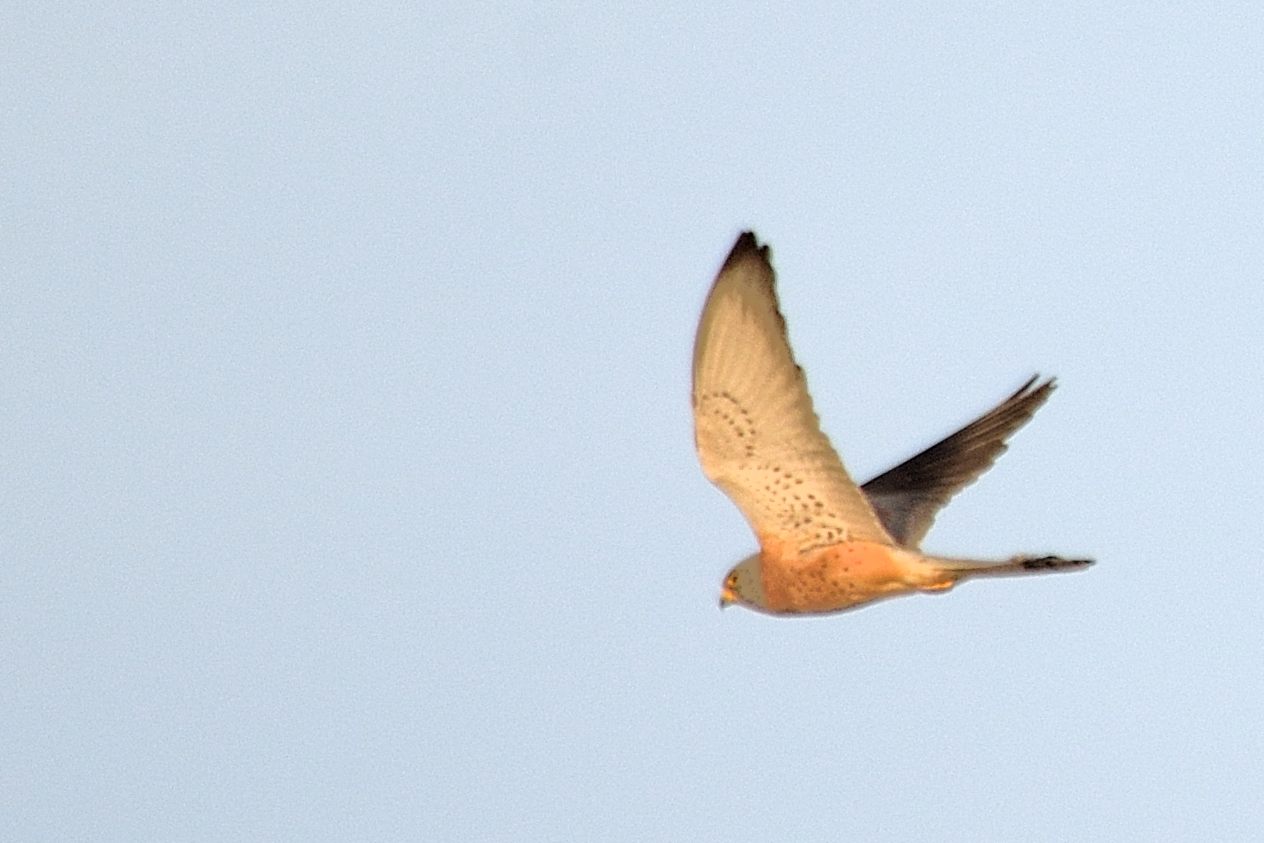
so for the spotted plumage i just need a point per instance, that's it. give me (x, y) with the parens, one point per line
(825, 543)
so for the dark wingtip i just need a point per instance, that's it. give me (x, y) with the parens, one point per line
(1035, 385)
(746, 244)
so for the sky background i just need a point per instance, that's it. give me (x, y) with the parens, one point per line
(347, 484)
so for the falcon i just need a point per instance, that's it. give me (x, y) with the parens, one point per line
(825, 544)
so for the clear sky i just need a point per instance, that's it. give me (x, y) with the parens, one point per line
(347, 484)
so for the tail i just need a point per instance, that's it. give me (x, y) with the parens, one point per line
(960, 569)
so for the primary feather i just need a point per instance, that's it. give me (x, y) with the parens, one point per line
(908, 496)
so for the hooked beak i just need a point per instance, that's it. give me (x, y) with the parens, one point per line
(727, 597)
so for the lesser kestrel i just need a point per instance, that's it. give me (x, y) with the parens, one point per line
(825, 544)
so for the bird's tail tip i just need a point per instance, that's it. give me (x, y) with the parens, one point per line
(1051, 563)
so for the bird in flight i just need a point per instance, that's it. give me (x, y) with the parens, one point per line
(825, 544)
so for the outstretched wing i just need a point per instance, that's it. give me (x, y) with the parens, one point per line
(908, 496)
(757, 435)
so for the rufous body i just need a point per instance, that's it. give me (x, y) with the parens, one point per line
(826, 544)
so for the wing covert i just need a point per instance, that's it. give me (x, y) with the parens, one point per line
(757, 434)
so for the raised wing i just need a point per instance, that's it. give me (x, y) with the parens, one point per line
(758, 437)
(908, 496)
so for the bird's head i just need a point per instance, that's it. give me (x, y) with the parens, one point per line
(744, 585)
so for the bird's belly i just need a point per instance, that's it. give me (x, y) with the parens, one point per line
(833, 578)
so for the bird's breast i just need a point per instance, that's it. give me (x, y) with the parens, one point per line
(832, 578)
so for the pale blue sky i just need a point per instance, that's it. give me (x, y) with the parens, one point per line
(348, 486)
